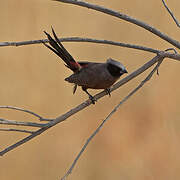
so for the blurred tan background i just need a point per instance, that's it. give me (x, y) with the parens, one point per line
(141, 141)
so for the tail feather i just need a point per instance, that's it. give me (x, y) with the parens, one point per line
(58, 48)
(63, 48)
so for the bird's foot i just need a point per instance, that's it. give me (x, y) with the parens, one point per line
(108, 91)
(93, 100)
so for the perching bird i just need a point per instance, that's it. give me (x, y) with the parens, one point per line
(87, 74)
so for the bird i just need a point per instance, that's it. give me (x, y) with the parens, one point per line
(88, 75)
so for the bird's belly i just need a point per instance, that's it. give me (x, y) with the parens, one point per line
(95, 83)
(100, 85)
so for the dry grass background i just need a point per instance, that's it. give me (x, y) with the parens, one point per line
(141, 141)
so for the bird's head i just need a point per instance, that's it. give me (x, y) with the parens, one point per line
(115, 68)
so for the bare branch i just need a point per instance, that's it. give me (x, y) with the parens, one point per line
(108, 117)
(17, 123)
(22, 43)
(21, 109)
(34, 134)
(17, 130)
(124, 17)
(78, 39)
(170, 12)
(174, 56)
(63, 117)
(26, 111)
(171, 49)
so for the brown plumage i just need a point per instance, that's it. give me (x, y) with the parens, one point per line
(87, 74)
(102, 81)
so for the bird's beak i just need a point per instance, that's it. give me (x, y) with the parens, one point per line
(124, 71)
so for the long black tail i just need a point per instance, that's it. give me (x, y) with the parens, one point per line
(58, 48)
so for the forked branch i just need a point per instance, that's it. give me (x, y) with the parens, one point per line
(85, 104)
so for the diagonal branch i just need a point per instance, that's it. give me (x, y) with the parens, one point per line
(171, 13)
(109, 115)
(85, 104)
(16, 130)
(124, 17)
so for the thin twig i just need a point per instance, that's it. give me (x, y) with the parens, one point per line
(108, 117)
(17, 130)
(78, 39)
(20, 123)
(124, 17)
(26, 111)
(85, 104)
(21, 109)
(171, 13)
(171, 49)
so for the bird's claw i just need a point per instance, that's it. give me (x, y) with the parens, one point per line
(108, 91)
(93, 100)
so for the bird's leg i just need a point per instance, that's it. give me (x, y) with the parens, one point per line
(90, 96)
(108, 90)
(74, 88)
